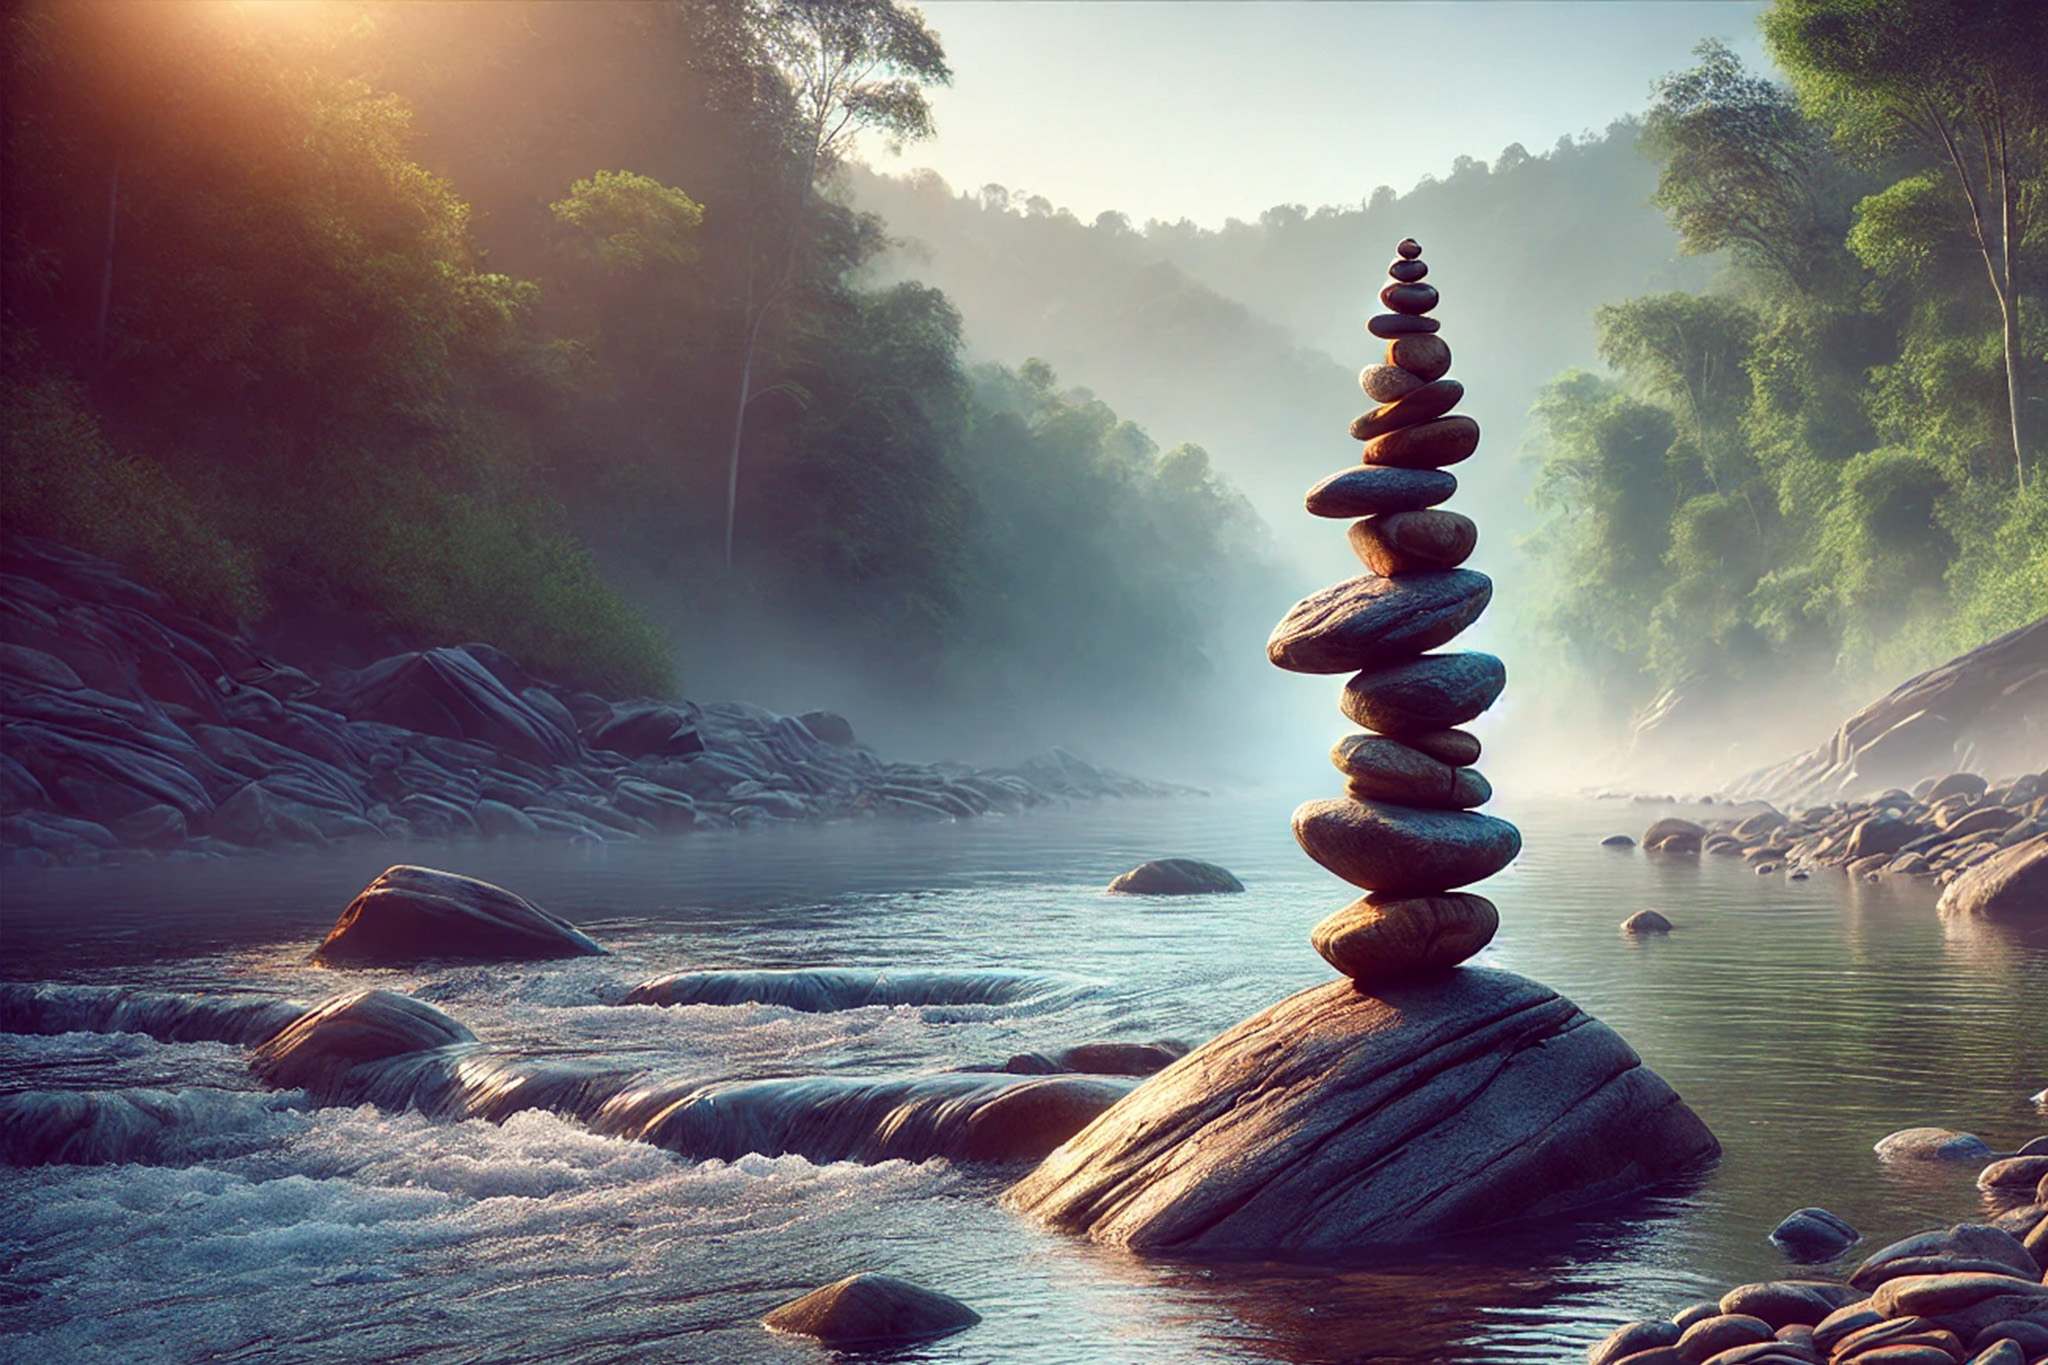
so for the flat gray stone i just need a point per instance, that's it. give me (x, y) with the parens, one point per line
(1370, 622)
(1366, 490)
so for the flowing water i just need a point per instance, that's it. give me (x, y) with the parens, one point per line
(1802, 1020)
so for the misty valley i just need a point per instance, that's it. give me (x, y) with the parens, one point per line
(651, 707)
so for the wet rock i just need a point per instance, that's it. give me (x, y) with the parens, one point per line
(872, 1311)
(1100, 1059)
(1428, 358)
(1428, 445)
(2009, 884)
(316, 1051)
(822, 990)
(412, 914)
(1404, 850)
(1384, 939)
(1814, 1235)
(1942, 1295)
(1881, 834)
(2004, 1352)
(1843, 1323)
(1383, 769)
(1369, 621)
(1955, 784)
(1626, 1340)
(1901, 1341)
(1696, 1312)
(1781, 1303)
(1365, 491)
(1387, 383)
(1672, 835)
(1932, 1144)
(1721, 1333)
(2014, 1174)
(1425, 404)
(1617, 841)
(1176, 877)
(1473, 1099)
(1410, 542)
(1646, 922)
(1388, 325)
(1433, 692)
(2030, 1337)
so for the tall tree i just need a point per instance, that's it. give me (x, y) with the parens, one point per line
(1961, 88)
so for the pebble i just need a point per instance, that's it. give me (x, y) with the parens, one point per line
(1455, 747)
(1425, 357)
(1427, 403)
(1412, 299)
(1389, 325)
(1367, 491)
(1408, 272)
(1408, 249)
(1404, 850)
(1386, 383)
(1384, 769)
(1646, 922)
(1369, 621)
(1426, 445)
(1433, 692)
(1380, 938)
(1405, 542)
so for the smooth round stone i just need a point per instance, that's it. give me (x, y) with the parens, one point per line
(1389, 325)
(1379, 939)
(1408, 542)
(1409, 249)
(1387, 383)
(1369, 621)
(1433, 692)
(1411, 299)
(1404, 850)
(1455, 747)
(1646, 922)
(1363, 492)
(1384, 769)
(1427, 445)
(1407, 272)
(1425, 357)
(1425, 404)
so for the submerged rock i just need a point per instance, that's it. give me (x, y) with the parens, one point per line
(1338, 1119)
(1100, 1059)
(410, 914)
(1646, 922)
(821, 990)
(872, 1311)
(1813, 1235)
(1176, 877)
(316, 1051)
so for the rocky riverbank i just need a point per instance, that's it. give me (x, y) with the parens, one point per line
(130, 729)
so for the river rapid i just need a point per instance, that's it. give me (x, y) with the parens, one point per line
(1802, 1020)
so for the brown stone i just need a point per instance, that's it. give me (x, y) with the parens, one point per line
(1469, 788)
(1425, 404)
(1425, 357)
(1369, 621)
(1430, 693)
(1376, 939)
(1428, 445)
(1455, 747)
(1412, 299)
(1404, 850)
(1363, 490)
(1408, 272)
(1390, 325)
(1408, 249)
(1383, 769)
(1404, 542)
(1386, 383)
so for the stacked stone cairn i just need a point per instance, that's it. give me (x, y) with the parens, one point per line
(1405, 831)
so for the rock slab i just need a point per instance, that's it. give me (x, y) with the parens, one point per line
(1338, 1119)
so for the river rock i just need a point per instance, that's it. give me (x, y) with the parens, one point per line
(2012, 883)
(1931, 1144)
(1900, 1341)
(1673, 835)
(646, 730)
(1379, 939)
(2001, 1352)
(1646, 922)
(1404, 850)
(1881, 833)
(1843, 1323)
(1813, 1235)
(1428, 445)
(1434, 692)
(1408, 542)
(1455, 747)
(1411, 297)
(1964, 1247)
(2030, 1337)
(872, 1311)
(1629, 1338)
(2015, 1173)
(1337, 1120)
(1406, 271)
(1387, 383)
(1384, 769)
(1783, 1303)
(1176, 877)
(1369, 621)
(1362, 492)
(1617, 841)
(1955, 784)
(1946, 1294)
(447, 692)
(1387, 325)
(1100, 1059)
(411, 914)
(1427, 403)
(315, 1051)
(1426, 357)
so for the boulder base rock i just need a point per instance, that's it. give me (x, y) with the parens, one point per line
(413, 913)
(2008, 884)
(872, 1311)
(1176, 877)
(1339, 1119)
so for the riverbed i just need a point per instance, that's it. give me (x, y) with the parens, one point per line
(1802, 1020)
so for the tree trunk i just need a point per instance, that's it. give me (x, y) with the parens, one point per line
(2009, 314)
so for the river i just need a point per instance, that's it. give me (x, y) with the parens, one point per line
(1802, 1020)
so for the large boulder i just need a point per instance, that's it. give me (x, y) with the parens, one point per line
(410, 914)
(2009, 883)
(1338, 1119)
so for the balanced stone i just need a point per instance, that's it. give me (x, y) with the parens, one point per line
(1408, 272)
(1409, 298)
(1425, 404)
(1376, 938)
(1388, 325)
(1370, 621)
(1455, 747)
(1427, 445)
(1384, 769)
(1408, 249)
(1404, 850)
(1405, 542)
(1429, 693)
(1361, 492)
(1385, 383)
(1425, 357)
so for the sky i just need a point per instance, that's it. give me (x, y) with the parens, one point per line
(1213, 110)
